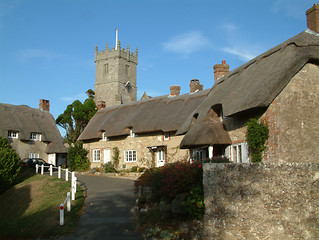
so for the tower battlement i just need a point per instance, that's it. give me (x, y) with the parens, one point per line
(119, 52)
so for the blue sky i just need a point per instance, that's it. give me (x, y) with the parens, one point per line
(47, 47)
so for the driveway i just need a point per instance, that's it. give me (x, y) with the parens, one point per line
(107, 213)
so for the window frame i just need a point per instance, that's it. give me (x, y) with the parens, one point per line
(94, 155)
(130, 156)
(166, 138)
(13, 134)
(37, 136)
(33, 155)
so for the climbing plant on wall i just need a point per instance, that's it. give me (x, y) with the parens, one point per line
(256, 135)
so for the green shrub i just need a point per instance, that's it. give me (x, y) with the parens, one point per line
(116, 157)
(142, 169)
(134, 169)
(10, 165)
(194, 203)
(172, 179)
(77, 157)
(256, 135)
(109, 168)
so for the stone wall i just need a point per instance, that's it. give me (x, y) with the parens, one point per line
(142, 143)
(261, 201)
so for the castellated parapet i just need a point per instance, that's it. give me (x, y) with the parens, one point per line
(111, 53)
(115, 75)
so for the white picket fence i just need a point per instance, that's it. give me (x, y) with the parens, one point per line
(70, 195)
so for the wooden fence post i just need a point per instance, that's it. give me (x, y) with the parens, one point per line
(61, 214)
(66, 174)
(51, 170)
(42, 169)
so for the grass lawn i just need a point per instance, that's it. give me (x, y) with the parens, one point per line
(30, 209)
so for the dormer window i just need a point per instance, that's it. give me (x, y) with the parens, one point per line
(104, 137)
(132, 134)
(35, 136)
(166, 136)
(12, 134)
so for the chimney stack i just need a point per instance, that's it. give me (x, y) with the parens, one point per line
(313, 18)
(220, 70)
(100, 105)
(195, 86)
(175, 90)
(44, 105)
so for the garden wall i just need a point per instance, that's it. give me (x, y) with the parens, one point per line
(261, 201)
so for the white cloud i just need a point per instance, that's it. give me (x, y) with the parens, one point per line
(186, 43)
(238, 44)
(242, 54)
(27, 54)
(81, 97)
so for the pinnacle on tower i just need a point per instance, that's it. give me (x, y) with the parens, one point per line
(96, 50)
(119, 44)
(107, 47)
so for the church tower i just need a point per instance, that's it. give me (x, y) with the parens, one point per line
(115, 75)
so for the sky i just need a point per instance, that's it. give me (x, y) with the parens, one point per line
(47, 47)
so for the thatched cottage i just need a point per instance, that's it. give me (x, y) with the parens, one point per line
(143, 131)
(32, 132)
(280, 87)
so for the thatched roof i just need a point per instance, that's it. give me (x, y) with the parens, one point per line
(253, 85)
(165, 113)
(28, 120)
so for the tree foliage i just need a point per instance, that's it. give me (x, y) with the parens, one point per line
(77, 157)
(256, 135)
(76, 116)
(9, 165)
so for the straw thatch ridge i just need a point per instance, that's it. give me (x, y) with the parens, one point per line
(28, 120)
(164, 113)
(255, 84)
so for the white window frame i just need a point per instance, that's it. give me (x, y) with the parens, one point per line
(96, 155)
(132, 134)
(33, 155)
(239, 152)
(104, 138)
(13, 134)
(35, 136)
(130, 156)
(166, 136)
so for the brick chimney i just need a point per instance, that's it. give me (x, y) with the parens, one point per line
(220, 69)
(44, 105)
(195, 85)
(313, 18)
(175, 90)
(100, 105)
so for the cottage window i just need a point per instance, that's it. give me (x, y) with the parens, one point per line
(33, 155)
(104, 137)
(12, 134)
(130, 156)
(96, 155)
(166, 136)
(239, 152)
(35, 136)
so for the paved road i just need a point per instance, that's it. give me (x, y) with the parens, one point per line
(107, 214)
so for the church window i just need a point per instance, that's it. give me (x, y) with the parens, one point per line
(127, 70)
(106, 68)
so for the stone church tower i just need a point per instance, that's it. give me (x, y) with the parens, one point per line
(115, 76)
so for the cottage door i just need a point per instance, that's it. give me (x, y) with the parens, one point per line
(160, 155)
(107, 155)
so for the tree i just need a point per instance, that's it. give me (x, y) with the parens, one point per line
(9, 165)
(77, 157)
(76, 116)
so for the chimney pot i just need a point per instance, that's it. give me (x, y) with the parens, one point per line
(175, 90)
(313, 18)
(100, 105)
(44, 105)
(195, 85)
(220, 70)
